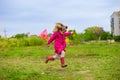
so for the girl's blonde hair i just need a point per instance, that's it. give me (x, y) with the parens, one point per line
(58, 26)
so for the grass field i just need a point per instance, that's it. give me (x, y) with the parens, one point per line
(88, 61)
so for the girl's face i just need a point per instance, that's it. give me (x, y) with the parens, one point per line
(61, 27)
(64, 29)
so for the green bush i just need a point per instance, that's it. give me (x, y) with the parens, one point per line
(3, 42)
(34, 41)
(12, 42)
(105, 35)
(20, 42)
(23, 42)
(117, 38)
(31, 41)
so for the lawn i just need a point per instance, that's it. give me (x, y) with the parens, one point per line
(86, 61)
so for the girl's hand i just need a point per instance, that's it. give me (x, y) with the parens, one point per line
(71, 32)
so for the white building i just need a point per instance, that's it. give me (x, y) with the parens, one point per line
(115, 23)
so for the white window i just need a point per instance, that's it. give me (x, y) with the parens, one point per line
(112, 22)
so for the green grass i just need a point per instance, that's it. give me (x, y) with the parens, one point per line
(88, 61)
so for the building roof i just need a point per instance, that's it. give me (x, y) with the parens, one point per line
(117, 13)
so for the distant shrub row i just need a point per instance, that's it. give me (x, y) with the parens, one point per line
(18, 42)
(117, 38)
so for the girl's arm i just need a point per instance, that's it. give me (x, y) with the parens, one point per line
(52, 38)
(68, 33)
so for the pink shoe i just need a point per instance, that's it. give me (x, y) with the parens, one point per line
(62, 62)
(49, 58)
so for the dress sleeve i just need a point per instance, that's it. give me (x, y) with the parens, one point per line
(52, 38)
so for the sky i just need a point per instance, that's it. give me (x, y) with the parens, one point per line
(33, 16)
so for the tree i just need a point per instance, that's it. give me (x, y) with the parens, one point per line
(105, 35)
(20, 35)
(93, 33)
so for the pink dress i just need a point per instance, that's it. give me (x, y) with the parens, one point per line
(59, 41)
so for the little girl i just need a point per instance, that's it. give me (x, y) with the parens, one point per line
(59, 43)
